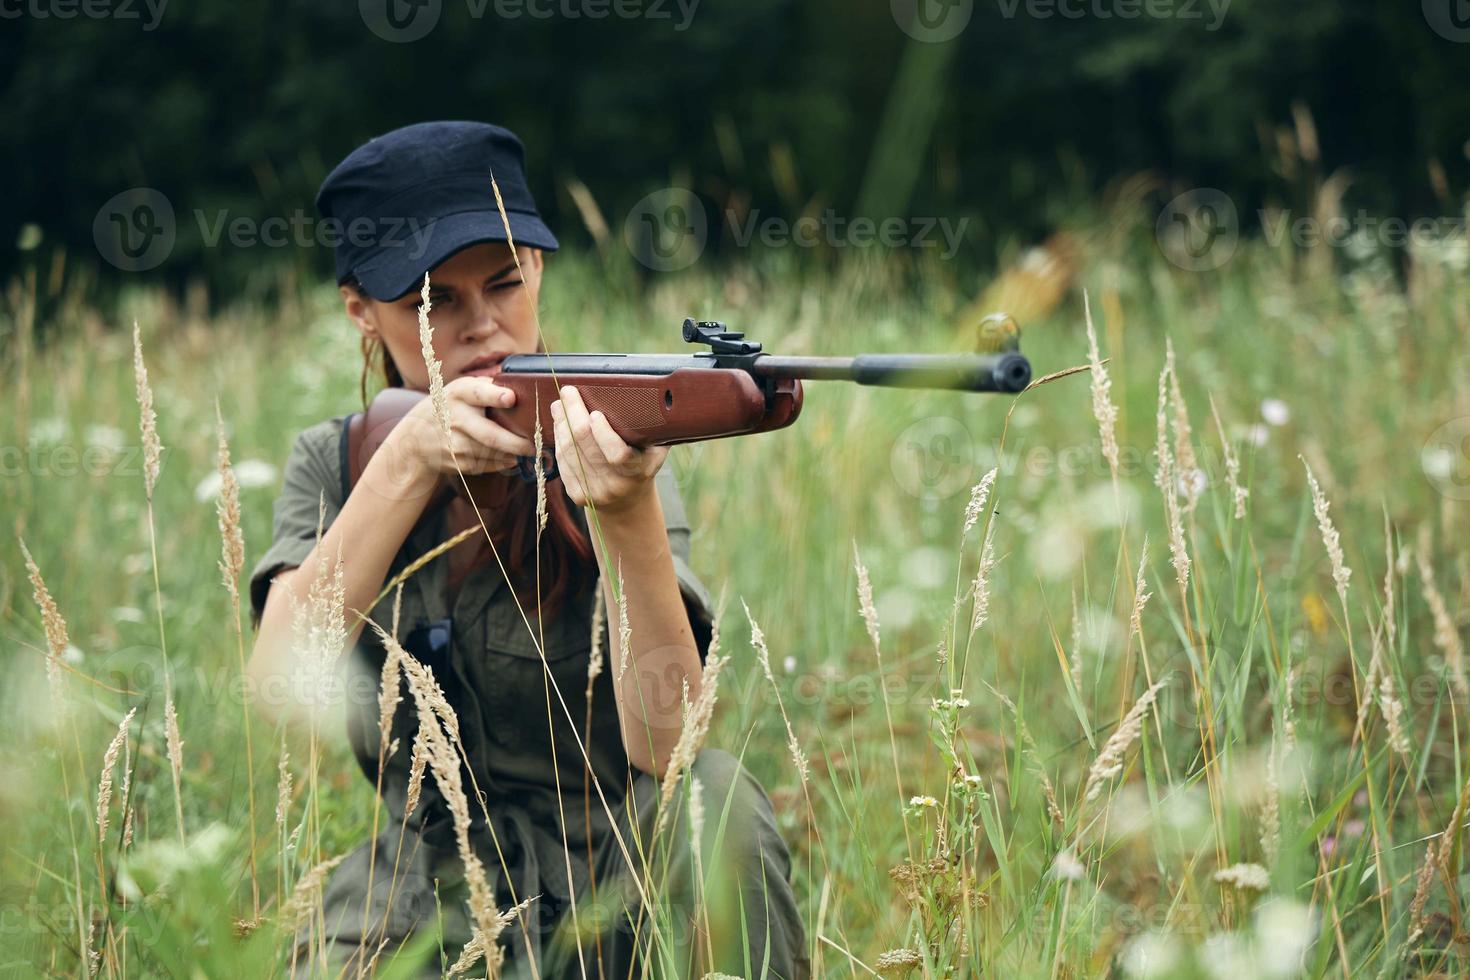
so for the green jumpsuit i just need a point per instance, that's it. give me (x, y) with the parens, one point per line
(483, 656)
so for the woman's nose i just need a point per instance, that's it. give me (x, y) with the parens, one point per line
(480, 320)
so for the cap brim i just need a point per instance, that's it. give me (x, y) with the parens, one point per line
(399, 267)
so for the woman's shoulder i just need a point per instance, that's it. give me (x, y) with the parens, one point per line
(316, 460)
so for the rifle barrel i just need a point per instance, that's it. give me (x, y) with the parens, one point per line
(1008, 372)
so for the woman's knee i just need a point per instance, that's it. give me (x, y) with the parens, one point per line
(736, 807)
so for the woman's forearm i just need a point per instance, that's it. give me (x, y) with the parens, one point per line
(374, 521)
(664, 654)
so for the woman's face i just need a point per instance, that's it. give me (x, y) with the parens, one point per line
(479, 306)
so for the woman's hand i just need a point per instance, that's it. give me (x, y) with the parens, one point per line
(476, 443)
(617, 475)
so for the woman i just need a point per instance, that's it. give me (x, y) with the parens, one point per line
(568, 772)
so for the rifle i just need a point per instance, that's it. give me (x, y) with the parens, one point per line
(733, 389)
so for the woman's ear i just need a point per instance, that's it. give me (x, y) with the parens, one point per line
(360, 312)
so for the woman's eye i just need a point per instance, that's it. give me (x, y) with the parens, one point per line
(497, 287)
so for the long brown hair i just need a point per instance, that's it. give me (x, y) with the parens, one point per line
(567, 559)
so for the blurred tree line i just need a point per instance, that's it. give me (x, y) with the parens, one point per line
(777, 106)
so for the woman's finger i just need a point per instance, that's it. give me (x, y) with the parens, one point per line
(480, 392)
(579, 428)
(614, 449)
(477, 426)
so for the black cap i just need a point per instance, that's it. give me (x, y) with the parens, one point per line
(405, 201)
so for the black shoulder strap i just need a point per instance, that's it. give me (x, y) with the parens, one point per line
(350, 424)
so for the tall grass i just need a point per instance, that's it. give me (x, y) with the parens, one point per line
(1155, 696)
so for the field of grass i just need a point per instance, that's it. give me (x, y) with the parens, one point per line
(1254, 768)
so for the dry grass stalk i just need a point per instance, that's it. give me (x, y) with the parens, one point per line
(1109, 761)
(125, 792)
(436, 372)
(416, 763)
(147, 418)
(475, 948)
(696, 728)
(541, 512)
(865, 602)
(1167, 484)
(306, 896)
(625, 632)
(413, 567)
(232, 539)
(319, 625)
(1393, 710)
(1390, 620)
(283, 788)
(1271, 810)
(104, 783)
(979, 494)
(1141, 595)
(1075, 661)
(1422, 882)
(1103, 408)
(175, 745)
(390, 693)
(51, 622)
(980, 587)
(599, 620)
(1191, 477)
(1446, 634)
(763, 655)
(1232, 465)
(439, 730)
(1331, 540)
